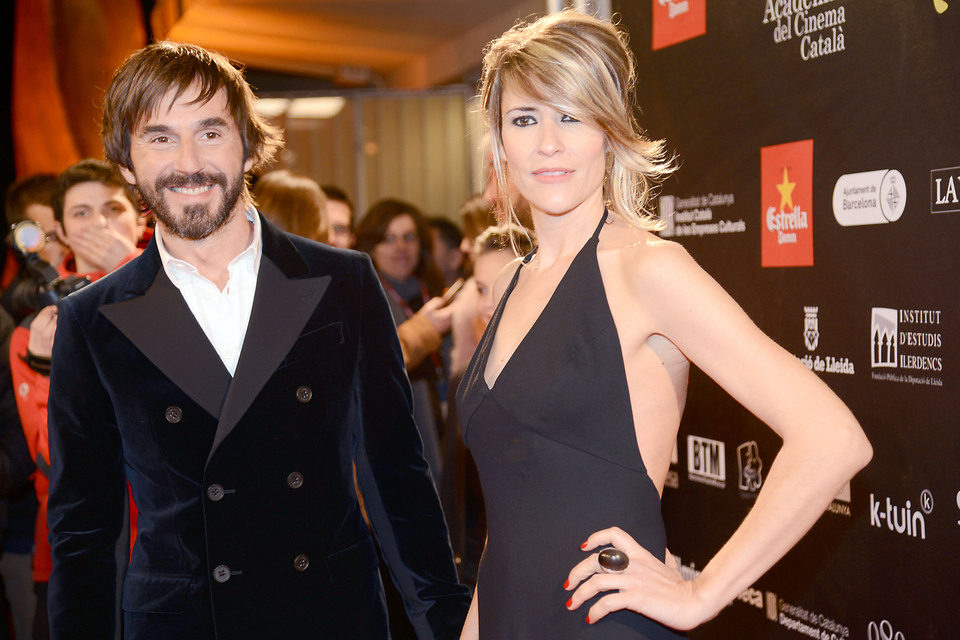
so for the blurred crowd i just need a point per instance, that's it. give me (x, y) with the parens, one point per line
(67, 230)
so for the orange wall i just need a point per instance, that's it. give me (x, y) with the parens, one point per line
(65, 52)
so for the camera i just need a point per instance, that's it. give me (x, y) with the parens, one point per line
(39, 285)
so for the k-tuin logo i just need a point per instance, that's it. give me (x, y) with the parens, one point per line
(906, 519)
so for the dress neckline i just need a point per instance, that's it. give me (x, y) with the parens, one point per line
(551, 301)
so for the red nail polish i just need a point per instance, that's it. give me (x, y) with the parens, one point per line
(588, 619)
(566, 584)
(583, 545)
(569, 602)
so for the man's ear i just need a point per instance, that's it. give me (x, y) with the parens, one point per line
(128, 175)
(247, 164)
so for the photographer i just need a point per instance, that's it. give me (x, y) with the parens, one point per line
(29, 199)
(97, 220)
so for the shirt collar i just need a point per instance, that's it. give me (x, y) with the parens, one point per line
(254, 250)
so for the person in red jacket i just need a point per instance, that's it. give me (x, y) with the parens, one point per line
(97, 220)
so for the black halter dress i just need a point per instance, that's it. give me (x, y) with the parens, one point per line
(557, 455)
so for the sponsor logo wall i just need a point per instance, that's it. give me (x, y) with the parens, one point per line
(819, 184)
(699, 215)
(906, 346)
(821, 364)
(786, 179)
(814, 26)
(870, 197)
(706, 461)
(678, 20)
(944, 186)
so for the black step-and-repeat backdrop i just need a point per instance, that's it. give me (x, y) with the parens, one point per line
(820, 185)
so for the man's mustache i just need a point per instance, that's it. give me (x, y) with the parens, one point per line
(198, 179)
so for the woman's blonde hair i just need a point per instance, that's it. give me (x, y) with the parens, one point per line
(582, 67)
(502, 238)
(293, 202)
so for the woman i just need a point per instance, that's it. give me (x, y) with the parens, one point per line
(493, 250)
(397, 237)
(292, 202)
(476, 215)
(572, 402)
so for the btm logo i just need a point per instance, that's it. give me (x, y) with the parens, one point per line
(903, 520)
(705, 461)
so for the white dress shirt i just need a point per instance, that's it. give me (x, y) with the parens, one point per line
(223, 315)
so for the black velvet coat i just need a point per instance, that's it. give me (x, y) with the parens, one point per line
(249, 525)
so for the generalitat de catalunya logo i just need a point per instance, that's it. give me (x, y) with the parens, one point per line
(678, 20)
(786, 194)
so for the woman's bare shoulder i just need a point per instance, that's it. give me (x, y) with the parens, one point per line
(643, 258)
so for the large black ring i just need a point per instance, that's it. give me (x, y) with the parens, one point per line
(612, 560)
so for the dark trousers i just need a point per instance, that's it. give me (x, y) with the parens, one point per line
(41, 620)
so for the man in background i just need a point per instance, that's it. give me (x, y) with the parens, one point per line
(93, 210)
(447, 252)
(339, 218)
(29, 199)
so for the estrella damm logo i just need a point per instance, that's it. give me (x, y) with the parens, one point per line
(678, 20)
(786, 194)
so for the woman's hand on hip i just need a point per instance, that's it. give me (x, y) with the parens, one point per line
(648, 586)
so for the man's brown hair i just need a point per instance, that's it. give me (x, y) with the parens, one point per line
(87, 170)
(144, 79)
(35, 189)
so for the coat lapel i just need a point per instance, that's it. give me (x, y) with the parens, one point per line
(282, 305)
(160, 324)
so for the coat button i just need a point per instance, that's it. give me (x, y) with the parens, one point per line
(215, 492)
(222, 573)
(295, 480)
(301, 562)
(304, 394)
(173, 414)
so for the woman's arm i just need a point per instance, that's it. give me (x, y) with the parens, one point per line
(422, 334)
(823, 445)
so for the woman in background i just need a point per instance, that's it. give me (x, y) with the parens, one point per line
(293, 202)
(572, 402)
(397, 237)
(494, 248)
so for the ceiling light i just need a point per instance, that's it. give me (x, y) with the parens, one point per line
(271, 107)
(325, 107)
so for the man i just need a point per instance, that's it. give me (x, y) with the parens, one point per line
(447, 253)
(232, 374)
(97, 222)
(28, 199)
(91, 208)
(339, 218)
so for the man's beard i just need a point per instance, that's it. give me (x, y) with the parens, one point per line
(197, 222)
